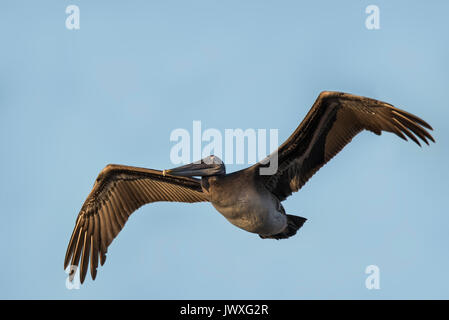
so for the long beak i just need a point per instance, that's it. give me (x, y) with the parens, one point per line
(189, 170)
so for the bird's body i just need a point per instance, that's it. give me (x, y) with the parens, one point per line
(249, 199)
(245, 203)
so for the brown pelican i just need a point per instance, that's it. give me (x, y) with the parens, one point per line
(246, 198)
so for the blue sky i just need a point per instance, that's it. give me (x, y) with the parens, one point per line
(72, 101)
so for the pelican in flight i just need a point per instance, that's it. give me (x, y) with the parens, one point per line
(246, 198)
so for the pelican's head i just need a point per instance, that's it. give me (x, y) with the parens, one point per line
(209, 166)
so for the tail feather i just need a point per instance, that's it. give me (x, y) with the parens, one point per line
(293, 225)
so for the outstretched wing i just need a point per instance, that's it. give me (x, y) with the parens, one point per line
(118, 192)
(334, 119)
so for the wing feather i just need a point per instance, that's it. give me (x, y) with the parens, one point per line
(332, 122)
(117, 193)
